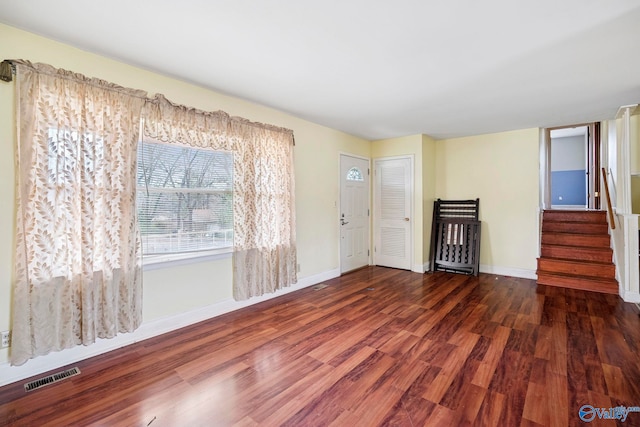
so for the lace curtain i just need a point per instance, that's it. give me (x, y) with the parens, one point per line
(78, 256)
(264, 256)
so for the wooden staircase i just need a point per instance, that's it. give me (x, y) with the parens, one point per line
(576, 251)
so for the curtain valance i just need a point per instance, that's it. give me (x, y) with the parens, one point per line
(166, 121)
(49, 70)
(162, 116)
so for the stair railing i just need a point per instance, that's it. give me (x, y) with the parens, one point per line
(612, 220)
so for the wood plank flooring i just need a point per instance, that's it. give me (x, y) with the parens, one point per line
(375, 347)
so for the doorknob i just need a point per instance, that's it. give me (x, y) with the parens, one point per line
(406, 219)
(343, 222)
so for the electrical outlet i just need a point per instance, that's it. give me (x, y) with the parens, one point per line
(4, 339)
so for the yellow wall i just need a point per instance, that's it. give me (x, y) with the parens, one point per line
(502, 170)
(174, 290)
(7, 208)
(635, 194)
(428, 190)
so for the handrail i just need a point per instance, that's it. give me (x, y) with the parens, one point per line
(612, 220)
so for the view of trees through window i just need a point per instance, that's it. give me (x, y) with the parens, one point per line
(184, 198)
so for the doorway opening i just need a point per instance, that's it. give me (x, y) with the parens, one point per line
(571, 167)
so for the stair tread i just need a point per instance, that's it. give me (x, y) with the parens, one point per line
(577, 276)
(574, 222)
(592, 212)
(576, 216)
(574, 233)
(577, 261)
(603, 254)
(580, 211)
(607, 286)
(573, 239)
(575, 227)
(576, 269)
(598, 248)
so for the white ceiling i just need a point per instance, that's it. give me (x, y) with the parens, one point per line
(374, 68)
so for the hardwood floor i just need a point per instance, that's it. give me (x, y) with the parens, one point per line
(375, 347)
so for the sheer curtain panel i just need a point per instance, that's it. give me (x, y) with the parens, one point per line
(264, 257)
(78, 257)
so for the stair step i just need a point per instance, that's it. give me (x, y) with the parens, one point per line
(608, 286)
(576, 227)
(578, 267)
(573, 239)
(577, 253)
(574, 216)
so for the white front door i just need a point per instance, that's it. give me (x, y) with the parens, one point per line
(354, 212)
(393, 193)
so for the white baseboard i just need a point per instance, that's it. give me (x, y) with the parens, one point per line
(418, 268)
(630, 296)
(502, 271)
(39, 365)
(509, 271)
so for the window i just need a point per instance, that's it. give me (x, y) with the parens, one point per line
(184, 199)
(354, 174)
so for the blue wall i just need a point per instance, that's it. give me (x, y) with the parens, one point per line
(571, 185)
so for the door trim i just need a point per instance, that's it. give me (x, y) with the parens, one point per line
(338, 206)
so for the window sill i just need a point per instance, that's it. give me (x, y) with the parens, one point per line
(155, 262)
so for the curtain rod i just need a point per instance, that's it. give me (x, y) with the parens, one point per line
(7, 70)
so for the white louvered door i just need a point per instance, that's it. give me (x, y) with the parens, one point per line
(393, 194)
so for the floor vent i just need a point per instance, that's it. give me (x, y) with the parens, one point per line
(54, 378)
(320, 286)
